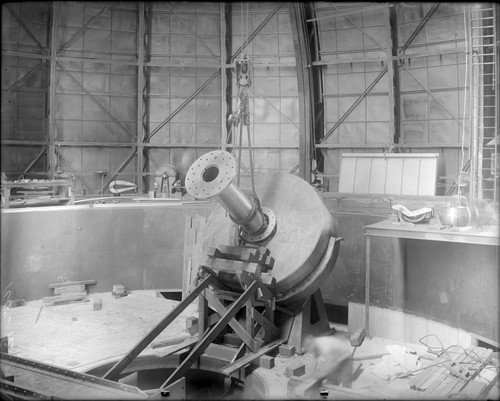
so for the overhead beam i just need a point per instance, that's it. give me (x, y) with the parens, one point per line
(343, 13)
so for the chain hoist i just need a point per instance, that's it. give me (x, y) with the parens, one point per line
(241, 116)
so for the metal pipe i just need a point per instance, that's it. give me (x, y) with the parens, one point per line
(212, 176)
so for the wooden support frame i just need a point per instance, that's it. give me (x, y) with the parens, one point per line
(241, 331)
(211, 335)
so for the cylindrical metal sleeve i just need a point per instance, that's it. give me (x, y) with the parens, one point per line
(211, 176)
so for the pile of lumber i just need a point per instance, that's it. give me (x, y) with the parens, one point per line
(68, 292)
(455, 373)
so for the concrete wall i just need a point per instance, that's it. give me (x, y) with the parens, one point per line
(142, 247)
(139, 246)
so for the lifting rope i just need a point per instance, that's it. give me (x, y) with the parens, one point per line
(241, 116)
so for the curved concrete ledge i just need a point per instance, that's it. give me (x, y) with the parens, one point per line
(140, 246)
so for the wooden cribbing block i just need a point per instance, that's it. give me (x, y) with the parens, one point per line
(68, 283)
(287, 350)
(297, 369)
(221, 351)
(234, 253)
(268, 280)
(266, 361)
(47, 301)
(97, 304)
(190, 322)
(212, 319)
(356, 338)
(269, 262)
(69, 289)
(232, 339)
(230, 266)
(308, 388)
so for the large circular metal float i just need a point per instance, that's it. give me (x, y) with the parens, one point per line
(285, 215)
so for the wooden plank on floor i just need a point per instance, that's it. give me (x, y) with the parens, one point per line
(64, 298)
(69, 283)
(473, 390)
(169, 342)
(189, 343)
(69, 289)
(417, 381)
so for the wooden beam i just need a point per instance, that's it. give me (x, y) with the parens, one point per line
(247, 359)
(71, 283)
(115, 371)
(266, 323)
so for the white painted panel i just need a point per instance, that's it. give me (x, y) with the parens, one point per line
(378, 175)
(427, 179)
(394, 176)
(362, 177)
(347, 171)
(410, 180)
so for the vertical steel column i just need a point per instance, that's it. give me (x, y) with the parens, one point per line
(140, 100)
(367, 283)
(298, 19)
(51, 126)
(393, 71)
(223, 81)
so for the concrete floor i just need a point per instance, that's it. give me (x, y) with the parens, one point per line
(75, 336)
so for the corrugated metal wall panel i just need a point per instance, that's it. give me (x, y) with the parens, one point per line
(97, 71)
